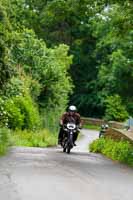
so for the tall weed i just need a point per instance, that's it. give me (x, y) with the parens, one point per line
(42, 138)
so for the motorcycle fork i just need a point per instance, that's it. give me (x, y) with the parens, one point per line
(71, 138)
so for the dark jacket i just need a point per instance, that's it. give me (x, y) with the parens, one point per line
(67, 118)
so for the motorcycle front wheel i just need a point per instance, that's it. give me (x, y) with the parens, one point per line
(64, 149)
(68, 150)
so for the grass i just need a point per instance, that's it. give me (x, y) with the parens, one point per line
(3, 149)
(42, 138)
(4, 140)
(91, 126)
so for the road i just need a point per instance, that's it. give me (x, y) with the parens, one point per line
(47, 174)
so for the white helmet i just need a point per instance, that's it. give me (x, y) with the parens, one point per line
(72, 108)
(102, 126)
(106, 126)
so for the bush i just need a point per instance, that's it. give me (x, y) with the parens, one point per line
(30, 112)
(14, 87)
(42, 138)
(115, 110)
(19, 112)
(4, 132)
(97, 145)
(15, 117)
(3, 114)
(121, 151)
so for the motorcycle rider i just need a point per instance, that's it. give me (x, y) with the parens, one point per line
(103, 130)
(68, 117)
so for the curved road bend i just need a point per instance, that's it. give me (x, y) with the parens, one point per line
(39, 174)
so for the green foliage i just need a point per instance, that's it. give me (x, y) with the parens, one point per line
(19, 112)
(29, 110)
(47, 67)
(114, 109)
(40, 72)
(70, 26)
(6, 70)
(99, 34)
(4, 140)
(35, 57)
(3, 114)
(58, 84)
(15, 117)
(41, 138)
(13, 87)
(22, 85)
(121, 151)
(50, 119)
(114, 51)
(97, 145)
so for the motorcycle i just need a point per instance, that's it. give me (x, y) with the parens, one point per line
(67, 143)
(103, 130)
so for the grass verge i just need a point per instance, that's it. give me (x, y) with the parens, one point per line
(4, 140)
(116, 150)
(91, 126)
(42, 138)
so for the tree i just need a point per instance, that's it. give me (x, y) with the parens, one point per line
(68, 22)
(99, 34)
(115, 110)
(114, 51)
(40, 73)
(6, 69)
(47, 66)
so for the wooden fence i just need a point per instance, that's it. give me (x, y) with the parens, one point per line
(99, 122)
(116, 129)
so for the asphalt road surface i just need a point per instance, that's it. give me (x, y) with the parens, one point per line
(50, 174)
